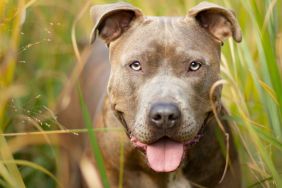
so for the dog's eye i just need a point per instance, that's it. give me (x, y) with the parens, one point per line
(136, 66)
(195, 65)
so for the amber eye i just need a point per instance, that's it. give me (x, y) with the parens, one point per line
(195, 65)
(136, 66)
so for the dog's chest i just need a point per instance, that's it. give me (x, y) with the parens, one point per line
(178, 180)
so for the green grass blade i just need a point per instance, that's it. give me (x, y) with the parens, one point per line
(32, 165)
(93, 140)
(5, 154)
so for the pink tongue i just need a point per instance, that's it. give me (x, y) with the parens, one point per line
(165, 155)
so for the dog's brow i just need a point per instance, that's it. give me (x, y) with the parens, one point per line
(137, 55)
(191, 55)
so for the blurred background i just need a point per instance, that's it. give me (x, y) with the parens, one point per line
(41, 40)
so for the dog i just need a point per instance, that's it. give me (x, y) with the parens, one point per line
(160, 77)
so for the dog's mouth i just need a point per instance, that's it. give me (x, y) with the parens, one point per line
(164, 155)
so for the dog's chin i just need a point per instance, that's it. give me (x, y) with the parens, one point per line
(165, 154)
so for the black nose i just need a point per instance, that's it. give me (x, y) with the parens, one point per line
(164, 115)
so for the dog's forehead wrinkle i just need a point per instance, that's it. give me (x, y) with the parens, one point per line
(165, 38)
(169, 31)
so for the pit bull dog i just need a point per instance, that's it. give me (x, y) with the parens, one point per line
(161, 73)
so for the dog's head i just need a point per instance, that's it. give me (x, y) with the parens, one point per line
(162, 70)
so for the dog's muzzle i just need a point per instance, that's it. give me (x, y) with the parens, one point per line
(164, 154)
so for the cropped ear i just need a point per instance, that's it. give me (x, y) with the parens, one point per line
(111, 20)
(217, 20)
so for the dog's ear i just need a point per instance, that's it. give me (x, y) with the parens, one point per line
(111, 20)
(217, 20)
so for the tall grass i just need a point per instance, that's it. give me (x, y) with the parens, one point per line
(36, 57)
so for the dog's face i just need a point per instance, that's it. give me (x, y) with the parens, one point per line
(162, 71)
